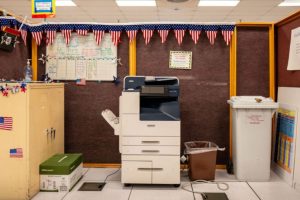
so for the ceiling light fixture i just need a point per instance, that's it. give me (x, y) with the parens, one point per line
(218, 2)
(136, 2)
(290, 3)
(64, 3)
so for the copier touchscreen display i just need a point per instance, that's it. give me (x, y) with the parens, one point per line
(153, 90)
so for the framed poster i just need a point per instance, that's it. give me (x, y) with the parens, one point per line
(180, 60)
(43, 8)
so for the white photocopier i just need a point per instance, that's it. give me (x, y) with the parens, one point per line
(149, 130)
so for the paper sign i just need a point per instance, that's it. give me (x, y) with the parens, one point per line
(43, 8)
(180, 60)
(294, 55)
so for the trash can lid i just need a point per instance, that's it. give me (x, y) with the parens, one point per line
(252, 102)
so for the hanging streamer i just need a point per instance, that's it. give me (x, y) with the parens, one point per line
(115, 36)
(227, 36)
(67, 35)
(131, 34)
(24, 36)
(98, 36)
(163, 35)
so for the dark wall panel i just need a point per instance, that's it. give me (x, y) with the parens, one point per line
(85, 130)
(204, 89)
(285, 78)
(253, 61)
(12, 64)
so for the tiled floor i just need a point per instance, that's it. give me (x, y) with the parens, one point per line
(275, 189)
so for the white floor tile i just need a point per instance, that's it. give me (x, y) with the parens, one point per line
(159, 192)
(111, 191)
(49, 196)
(221, 174)
(99, 174)
(236, 191)
(275, 191)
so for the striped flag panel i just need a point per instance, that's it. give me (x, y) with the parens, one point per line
(98, 36)
(6, 123)
(195, 35)
(147, 35)
(163, 34)
(179, 34)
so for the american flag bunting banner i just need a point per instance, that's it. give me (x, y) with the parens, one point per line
(115, 36)
(211, 32)
(98, 34)
(82, 32)
(16, 153)
(82, 29)
(50, 30)
(163, 35)
(131, 34)
(147, 34)
(24, 36)
(37, 33)
(227, 31)
(179, 34)
(6, 123)
(195, 34)
(67, 35)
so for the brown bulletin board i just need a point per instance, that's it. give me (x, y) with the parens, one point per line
(12, 64)
(203, 90)
(85, 129)
(283, 39)
(253, 61)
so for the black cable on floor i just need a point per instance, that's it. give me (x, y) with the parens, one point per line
(111, 175)
(253, 190)
(130, 192)
(193, 191)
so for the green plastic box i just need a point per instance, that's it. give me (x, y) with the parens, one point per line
(60, 172)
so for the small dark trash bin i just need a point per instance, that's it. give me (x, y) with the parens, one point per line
(202, 157)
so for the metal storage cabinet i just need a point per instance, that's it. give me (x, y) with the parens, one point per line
(38, 128)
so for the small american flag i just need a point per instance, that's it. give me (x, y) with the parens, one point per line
(179, 34)
(227, 36)
(50, 36)
(16, 153)
(98, 36)
(24, 36)
(147, 35)
(195, 35)
(131, 34)
(6, 123)
(163, 34)
(115, 36)
(37, 34)
(80, 81)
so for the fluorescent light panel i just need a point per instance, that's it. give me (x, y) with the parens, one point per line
(218, 2)
(136, 2)
(290, 3)
(64, 3)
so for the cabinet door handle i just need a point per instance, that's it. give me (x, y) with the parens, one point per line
(150, 141)
(151, 125)
(149, 169)
(150, 151)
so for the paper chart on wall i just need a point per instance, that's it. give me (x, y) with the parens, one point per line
(294, 53)
(82, 59)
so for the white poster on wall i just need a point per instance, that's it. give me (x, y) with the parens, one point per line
(294, 55)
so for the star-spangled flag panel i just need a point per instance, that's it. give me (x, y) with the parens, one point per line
(211, 32)
(37, 33)
(195, 34)
(98, 34)
(227, 31)
(24, 36)
(66, 30)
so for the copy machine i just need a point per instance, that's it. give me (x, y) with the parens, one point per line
(149, 130)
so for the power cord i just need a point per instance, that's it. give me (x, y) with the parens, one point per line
(111, 174)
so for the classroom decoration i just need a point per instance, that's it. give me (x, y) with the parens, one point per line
(211, 32)
(5, 89)
(24, 35)
(82, 59)
(44, 58)
(37, 32)
(115, 30)
(6, 123)
(180, 60)
(16, 153)
(8, 38)
(43, 8)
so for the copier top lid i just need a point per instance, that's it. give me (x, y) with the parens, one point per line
(252, 102)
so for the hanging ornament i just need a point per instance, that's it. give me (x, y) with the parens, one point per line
(44, 58)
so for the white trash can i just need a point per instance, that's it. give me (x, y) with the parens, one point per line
(251, 136)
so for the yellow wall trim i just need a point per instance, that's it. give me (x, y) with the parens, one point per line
(132, 58)
(34, 59)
